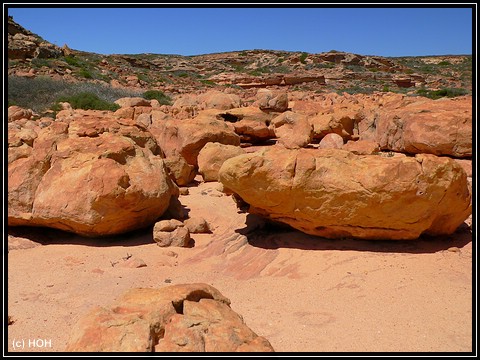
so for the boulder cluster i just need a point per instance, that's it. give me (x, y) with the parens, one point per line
(381, 166)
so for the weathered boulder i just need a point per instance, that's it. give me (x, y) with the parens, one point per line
(185, 317)
(215, 99)
(187, 137)
(250, 123)
(133, 112)
(197, 225)
(269, 100)
(331, 141)
(440, 127)
(92, 175)
(293, 130)
(334, 193)
(17, 113)
(339, 120)
(212, 99)
(178, 168)
(362, 147)
(179, 236)
(212, 156)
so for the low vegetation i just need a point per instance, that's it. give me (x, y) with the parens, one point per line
(157, 95)
(87, 101)
(437, 94)
(43, 92)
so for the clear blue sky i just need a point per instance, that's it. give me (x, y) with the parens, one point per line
(387, 31)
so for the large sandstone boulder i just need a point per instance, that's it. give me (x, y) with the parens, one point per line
(186, 318)
(212, 156)
(440, 127)
(334, 193)
(92, 175)
(187, 137)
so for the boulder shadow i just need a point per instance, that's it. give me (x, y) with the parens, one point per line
(50, 236)
(266, 234)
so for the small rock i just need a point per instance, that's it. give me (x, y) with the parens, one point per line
(133, 263)
(197, 225)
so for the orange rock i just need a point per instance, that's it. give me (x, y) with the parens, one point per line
(439, 127)
(92, 176)
(187, 137)
(185, 317)
(293, 130)
(334, 193)
(212, 156)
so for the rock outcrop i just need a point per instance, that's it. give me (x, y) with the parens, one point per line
(178, 318)
(335, 193)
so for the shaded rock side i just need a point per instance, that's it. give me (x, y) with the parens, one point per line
(179, 318)
(334, 193)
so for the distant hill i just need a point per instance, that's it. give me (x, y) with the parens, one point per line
(31, 56)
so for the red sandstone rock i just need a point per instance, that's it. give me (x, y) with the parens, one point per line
(186, 317)
(334, 193)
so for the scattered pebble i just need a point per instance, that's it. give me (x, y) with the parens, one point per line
(453, 249)
(172, 254)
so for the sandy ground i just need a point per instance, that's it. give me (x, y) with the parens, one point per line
(304, 294)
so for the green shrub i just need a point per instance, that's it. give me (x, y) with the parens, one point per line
(88, 101)
(70, 60)
(444, 63)
(446, 92)
(158, 95)
(303, 57)
(85, 73)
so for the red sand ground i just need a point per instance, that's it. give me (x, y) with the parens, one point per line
(300, 292)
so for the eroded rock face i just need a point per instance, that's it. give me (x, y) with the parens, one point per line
(92, 175)
(186, 317)
(334, 193)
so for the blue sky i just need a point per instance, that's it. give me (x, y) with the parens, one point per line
(387, 31)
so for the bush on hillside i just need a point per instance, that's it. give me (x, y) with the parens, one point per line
(157, 95)
(42, 92)
(437, 94)
(88, 101)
